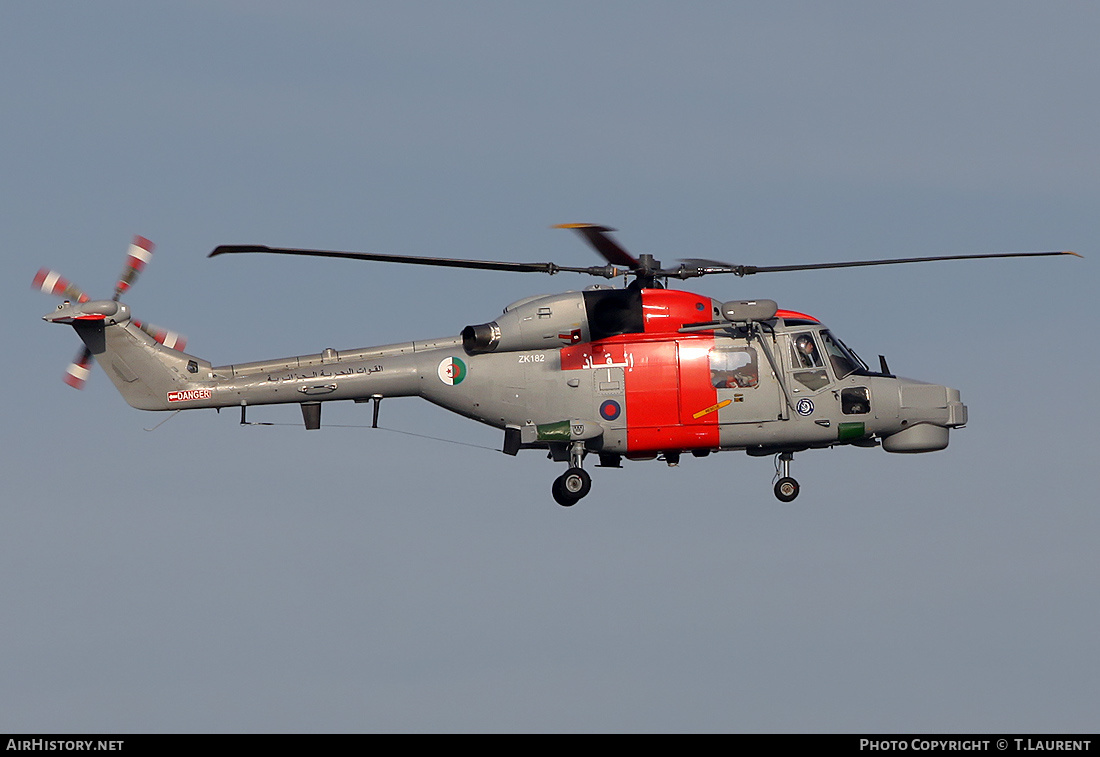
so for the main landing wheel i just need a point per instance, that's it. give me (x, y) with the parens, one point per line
(786, 489)
(571, 486)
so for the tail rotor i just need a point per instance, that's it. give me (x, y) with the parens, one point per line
(79, 307)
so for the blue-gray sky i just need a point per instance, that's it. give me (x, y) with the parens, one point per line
(207, 577)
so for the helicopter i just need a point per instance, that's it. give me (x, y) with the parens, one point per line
(640, 372)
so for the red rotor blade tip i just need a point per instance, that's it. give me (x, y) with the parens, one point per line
(139, 253)
(51, 282)
(141, 250)
(171, 339)
(77, 372)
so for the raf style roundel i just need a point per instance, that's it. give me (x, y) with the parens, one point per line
(451, 371)
(610, 410)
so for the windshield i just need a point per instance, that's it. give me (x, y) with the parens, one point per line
(842, 360)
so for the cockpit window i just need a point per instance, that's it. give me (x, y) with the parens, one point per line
(805, 353)
(806, 362)
(840, 358)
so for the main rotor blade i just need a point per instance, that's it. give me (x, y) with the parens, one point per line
(597, 237)
(485, 265)
(702, 267)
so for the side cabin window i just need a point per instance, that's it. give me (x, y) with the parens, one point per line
(855, 400)
(806, 362)
(733, 368)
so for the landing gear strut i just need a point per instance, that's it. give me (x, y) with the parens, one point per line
(570, 487)
(786, 488)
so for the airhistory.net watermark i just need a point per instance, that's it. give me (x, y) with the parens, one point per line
(62, 745)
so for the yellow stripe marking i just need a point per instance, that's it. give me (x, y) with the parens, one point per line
(712, 409)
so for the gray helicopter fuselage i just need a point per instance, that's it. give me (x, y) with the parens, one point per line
(634, 373)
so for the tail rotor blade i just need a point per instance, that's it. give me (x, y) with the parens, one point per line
(141, 250)
(77, 373)
(51, 282)
(170, 339)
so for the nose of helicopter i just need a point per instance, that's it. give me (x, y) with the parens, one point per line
(927, 412)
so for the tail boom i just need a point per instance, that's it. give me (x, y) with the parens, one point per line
(152, 376)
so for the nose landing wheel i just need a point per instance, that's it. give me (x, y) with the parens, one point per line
(786, 488)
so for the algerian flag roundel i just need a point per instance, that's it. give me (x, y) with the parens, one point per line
(452, 371)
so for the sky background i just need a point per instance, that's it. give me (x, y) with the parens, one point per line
(205, 577)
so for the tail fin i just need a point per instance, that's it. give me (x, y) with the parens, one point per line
(144, 371)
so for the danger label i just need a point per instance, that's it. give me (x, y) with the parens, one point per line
(186, 395)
